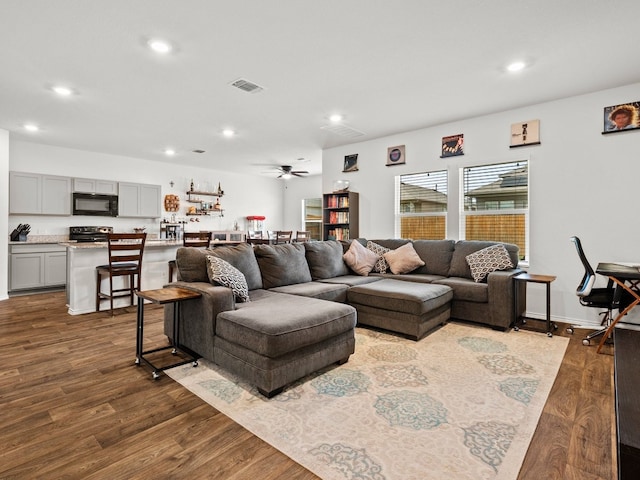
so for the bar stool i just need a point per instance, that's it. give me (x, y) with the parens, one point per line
(125, 260)
(191, 239)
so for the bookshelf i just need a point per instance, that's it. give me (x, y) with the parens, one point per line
(340, 216)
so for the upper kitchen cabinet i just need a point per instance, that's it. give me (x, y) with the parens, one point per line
(91, 185)
(35, 194)
(139, 200)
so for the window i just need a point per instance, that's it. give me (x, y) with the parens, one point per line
(422, 205)
(495, 204)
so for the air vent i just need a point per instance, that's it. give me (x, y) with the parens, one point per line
(247, 86)
(342, 130)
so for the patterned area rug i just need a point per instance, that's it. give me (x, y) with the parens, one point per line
(462, 403)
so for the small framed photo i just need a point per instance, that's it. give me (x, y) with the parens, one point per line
(350, 163)
(396, 155)
(525, 133)
(452, 145)
(620, 118)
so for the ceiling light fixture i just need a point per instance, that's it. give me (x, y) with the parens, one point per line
(31, 127)
(516, 66)
(160, 46)
(227, 132)
(286, 176)
(62, 90)
(170, 152)
(336, 117)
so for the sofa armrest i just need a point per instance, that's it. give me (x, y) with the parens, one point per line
(198, 316)
(501, 297)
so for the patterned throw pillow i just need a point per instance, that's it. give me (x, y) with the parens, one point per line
(488, 260)
(381, 265)
(223, 273)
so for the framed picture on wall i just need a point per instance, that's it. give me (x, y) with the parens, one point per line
(396, 155)
(350, 163)
(525, 133)
(452, 145)
(620, 118)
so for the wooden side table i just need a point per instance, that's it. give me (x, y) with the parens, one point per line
(162, 296)
(533, 278)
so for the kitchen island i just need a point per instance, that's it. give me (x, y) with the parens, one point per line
(84, 257)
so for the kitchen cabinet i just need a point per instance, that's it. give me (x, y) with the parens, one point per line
(37, 266)
(139, 200)
(35, 194)
(92, 185)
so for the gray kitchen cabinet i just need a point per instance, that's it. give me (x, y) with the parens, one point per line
(37, 266)
(139, 200)
(35, 194)
(93, 185)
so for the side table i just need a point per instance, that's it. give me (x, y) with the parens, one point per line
(533, 278)
(162, 296)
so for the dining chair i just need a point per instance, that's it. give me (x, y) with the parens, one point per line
(302, 236)
(254, 236)
(272, 237)
(125, 252)
(191, 239)
(283, 236)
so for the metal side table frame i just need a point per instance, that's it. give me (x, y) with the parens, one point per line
(534, 278)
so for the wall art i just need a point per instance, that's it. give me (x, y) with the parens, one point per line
(525, 133)
(452, 145)
(618, 118)
(350, 163)
(396, 155)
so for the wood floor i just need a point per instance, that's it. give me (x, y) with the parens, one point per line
(73, 405)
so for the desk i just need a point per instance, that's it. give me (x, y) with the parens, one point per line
(161, 296)
(626, 277)
(534, 278)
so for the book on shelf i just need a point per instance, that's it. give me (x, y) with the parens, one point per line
(338, 217)
(337, 201)
(338, 234)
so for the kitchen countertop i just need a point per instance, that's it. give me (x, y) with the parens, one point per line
(148, 243)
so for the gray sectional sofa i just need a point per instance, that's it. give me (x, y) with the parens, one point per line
(304, 303)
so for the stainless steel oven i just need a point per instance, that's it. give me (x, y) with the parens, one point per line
(95, 204)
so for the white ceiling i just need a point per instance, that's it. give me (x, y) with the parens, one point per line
(387, 66)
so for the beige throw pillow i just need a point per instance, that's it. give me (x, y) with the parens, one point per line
(403, 259)
(360, 259)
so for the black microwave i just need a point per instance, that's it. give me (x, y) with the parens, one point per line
(95, 204)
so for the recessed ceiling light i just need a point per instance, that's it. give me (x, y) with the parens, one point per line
(516, 66)
(170, 152)
(159, 46)
(62, 90)
(228, 132)
(31, 127)
(336, 117)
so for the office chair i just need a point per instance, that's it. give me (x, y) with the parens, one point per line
(125, 260)
(593, 297)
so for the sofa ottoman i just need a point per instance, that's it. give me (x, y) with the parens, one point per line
(409, 308)
(278, 338)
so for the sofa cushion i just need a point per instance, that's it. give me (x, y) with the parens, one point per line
(381, 265)
(225, 274)
(334, 292)
(241, 256)
(403, 259)
(282, 264)
(436, 255)
(487, 260)
(325, 259)
(360, 259)
(192, 264)
(273, 325)
(460, 267)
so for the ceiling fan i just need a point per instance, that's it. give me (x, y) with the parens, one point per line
(286, 171)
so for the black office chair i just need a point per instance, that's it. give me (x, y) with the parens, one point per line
(593, 297)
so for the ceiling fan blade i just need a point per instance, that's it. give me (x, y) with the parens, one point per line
(300, 171)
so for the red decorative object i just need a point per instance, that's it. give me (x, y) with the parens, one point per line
(256, 217)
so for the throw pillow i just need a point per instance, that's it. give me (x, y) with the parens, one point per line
(381, 265)
(403, 259)
(488, 260)
(223, 273)
(360, 259)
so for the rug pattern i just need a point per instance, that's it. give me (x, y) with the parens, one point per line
(462, 403)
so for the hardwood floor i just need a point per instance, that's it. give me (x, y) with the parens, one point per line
(74, 405)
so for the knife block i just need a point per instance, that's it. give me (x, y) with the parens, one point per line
(18, 237)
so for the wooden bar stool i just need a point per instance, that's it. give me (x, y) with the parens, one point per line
(191, 239)
(125, 260)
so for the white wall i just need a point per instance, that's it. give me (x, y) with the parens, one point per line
(266, 197)
(4, 211)
(581, 183)
(295, 191)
